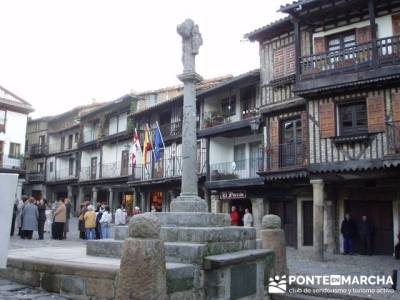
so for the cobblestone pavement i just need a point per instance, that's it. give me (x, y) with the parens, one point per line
(13, 291)
(301, 263)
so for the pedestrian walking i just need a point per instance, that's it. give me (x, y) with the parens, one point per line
(41, 205)
(60, 217)
(365, 231)
(90, 223)
(105, 222)
(234, 216)
(247, 218)
(348, 230)
(68, 206)
(30, 215)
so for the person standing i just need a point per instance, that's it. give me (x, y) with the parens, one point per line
(105, 222)
(41, 205)
(14, 216)
(18, 219)
(90, 223)
(30, 215)
(247, 218)
(68, 216)
(81, 222)
(348, 230)
(235, 218)
(99, 213)
(365, 233)
(60, 217)
(49, 213)
(120, 216)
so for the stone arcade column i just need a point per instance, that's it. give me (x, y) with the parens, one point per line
(81, 195)
(189, 201)
(318, 200)
(258, 212)
(94, 196)
(111, 199)
(215, 202)
(69, 192)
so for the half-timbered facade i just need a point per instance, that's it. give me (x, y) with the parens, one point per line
(343, 107)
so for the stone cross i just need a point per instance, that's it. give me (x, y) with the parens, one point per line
(189, 201)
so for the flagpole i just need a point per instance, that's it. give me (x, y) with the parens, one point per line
(151, 143)
(159, 130)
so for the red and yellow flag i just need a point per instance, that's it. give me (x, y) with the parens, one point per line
(146, 144)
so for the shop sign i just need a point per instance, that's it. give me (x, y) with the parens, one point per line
(232, 195)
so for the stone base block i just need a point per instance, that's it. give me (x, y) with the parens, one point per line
(191, 219)
(189, 204)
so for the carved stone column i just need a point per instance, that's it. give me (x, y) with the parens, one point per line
(318, 199)
(189, 201)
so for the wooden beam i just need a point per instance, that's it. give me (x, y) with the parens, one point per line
(297, 46)
(372, 22)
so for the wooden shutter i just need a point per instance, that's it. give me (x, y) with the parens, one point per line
(327, 120)
(304, 131)
(396, 107)
(396, 24)
(363, 34)
(274, 140)
(319, 45)
(376, 113)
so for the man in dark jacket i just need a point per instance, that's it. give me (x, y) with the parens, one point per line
(348, 230)
(41, 205)
(366, 232)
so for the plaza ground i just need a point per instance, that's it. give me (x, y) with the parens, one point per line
(299, 261)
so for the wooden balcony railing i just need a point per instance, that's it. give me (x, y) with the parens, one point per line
(240, 169)
(38, 149)
(382, 51)
(283, 157)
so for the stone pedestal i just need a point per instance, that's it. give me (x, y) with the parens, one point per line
(273, 238)
(318, 200)
(142, 272)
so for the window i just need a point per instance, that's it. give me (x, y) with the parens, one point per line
(71, 166)
(42, 139)
(15, 150)
(239, 156)
(70, 139)
(2, 120)
(51, 167)
(76, 137)
(62, 143)
(40, 167)
(353, 118)
(228, 106)
(341, 41)
(291, 150)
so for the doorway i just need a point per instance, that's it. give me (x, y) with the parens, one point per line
(287, 211)
(308, 223)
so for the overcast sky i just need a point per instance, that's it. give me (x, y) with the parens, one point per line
(57, 54)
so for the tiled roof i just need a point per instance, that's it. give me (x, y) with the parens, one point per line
(270, 29)
(294, 4)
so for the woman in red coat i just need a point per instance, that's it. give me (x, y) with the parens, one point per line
(235, 218)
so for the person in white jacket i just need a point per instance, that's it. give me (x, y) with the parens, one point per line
(247, 218)
(120, 216)
(105, 222)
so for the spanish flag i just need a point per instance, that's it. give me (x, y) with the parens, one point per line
(146, 144)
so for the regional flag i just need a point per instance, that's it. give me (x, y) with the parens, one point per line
(136, 148)
(146, 144)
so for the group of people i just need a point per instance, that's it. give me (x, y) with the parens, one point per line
(240, 218)
(30, 215)
(351, 230)
(95, 223)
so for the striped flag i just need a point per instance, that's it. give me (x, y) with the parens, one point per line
(146, 144)
(136, 148)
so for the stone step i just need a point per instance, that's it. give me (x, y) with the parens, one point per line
(196, 234)
(180, 277)
(188, 253)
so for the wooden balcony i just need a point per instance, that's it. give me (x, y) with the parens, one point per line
(283, 157)
(38, 150)
(375, 60)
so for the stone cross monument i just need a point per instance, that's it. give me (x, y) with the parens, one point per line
(189, 201)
